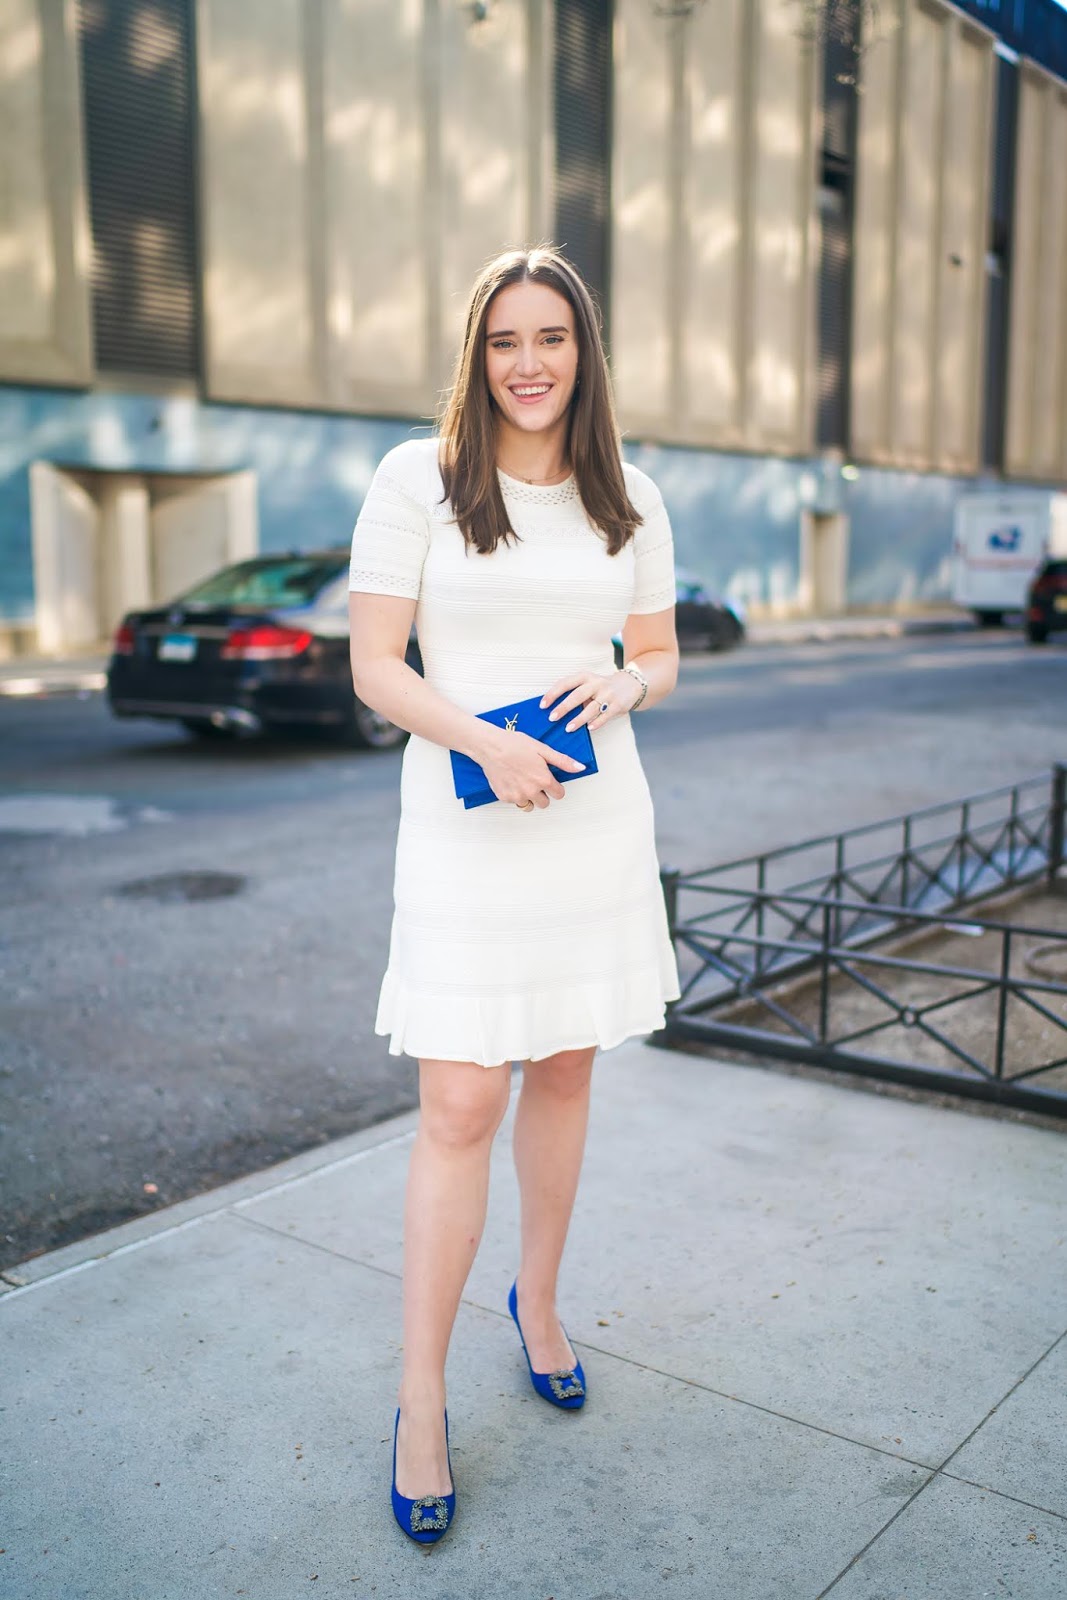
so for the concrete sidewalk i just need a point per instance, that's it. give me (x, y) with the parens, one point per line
(24, 677)
(860, 625)
(823, 1332)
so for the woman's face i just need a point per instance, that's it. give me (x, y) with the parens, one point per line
(531, 356)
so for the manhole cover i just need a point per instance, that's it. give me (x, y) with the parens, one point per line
(175, 886)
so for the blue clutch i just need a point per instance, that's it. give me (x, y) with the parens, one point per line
(525, 716)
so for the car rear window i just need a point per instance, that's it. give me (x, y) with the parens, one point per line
(1056, 569)
(268, 581)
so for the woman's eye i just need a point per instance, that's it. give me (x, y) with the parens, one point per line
(501, 344)
(554, 338)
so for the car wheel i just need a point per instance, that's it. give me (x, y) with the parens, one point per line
(1037, 633)
(369, 730)
(201, 728)
(725, 636)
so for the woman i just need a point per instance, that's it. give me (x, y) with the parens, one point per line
(533, 929)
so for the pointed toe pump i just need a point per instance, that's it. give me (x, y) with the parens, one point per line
(428, 1517)
(566, 1386)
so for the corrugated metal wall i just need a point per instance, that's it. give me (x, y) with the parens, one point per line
(45, 334)
(361, 159)
(713, 223)
(995, 386)
(138, 100)
(835, 199)
(922, 187)
(1036, 432)
(582, 86)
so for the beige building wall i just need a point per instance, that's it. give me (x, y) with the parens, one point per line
(922, 187)
(45, 334)
(360, 160)
(714, 237)
(1036, 433)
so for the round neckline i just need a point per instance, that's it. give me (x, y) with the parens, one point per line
(547, 487)
(523, 490)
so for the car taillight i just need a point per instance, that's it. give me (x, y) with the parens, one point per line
(123, 642)
(265, 642)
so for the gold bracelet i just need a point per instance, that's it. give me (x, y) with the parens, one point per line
(635, 672)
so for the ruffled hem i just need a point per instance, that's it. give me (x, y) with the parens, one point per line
(520, 1026)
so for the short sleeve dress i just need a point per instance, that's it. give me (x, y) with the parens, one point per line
(518, 934)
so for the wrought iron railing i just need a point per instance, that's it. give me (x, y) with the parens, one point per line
(776, 951)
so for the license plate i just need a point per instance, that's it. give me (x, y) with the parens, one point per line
(177, 647)
(1060, 603)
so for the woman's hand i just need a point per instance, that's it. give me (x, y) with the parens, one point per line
(591, 690)
(518, 768)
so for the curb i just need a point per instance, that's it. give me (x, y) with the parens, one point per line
(139, 1231)
(827, 630)
(36, 685)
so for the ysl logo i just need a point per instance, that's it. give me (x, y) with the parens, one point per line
(509, 723)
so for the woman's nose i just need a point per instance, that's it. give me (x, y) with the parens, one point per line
(529, 361)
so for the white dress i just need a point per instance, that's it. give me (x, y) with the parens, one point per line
(517, 934)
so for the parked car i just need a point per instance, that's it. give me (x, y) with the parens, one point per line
(260, 645)
(703, 619)
(263, 645)
(1046, 600)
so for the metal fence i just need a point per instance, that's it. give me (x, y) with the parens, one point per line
(809, 952)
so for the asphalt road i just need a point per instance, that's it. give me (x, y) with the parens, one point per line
(152, 1047)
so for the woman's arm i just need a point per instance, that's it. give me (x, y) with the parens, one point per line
(515, 764)
(650, 641)
(380, 625)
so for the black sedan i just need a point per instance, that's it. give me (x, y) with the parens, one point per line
(1046, 603)
(704, 620)
(262, 645)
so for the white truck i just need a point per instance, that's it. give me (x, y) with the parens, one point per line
(1000, 540)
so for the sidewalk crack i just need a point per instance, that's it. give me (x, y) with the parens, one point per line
(939, 1472)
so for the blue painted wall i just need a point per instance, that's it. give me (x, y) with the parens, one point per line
(312, 468)
(736, 521)
(735, 517)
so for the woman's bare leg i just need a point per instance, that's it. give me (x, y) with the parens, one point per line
(549, 1140)
(461, 1108)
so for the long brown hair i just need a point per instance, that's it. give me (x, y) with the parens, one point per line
(467, 426)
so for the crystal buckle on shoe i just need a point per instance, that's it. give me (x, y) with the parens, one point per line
(565, 1384)
(421, 1520)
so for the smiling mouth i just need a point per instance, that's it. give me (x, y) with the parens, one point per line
(529, 392)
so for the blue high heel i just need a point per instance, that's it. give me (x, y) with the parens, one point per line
(428, 1517)
(566, 1386)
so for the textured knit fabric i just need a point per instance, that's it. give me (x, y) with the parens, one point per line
(518, 934)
